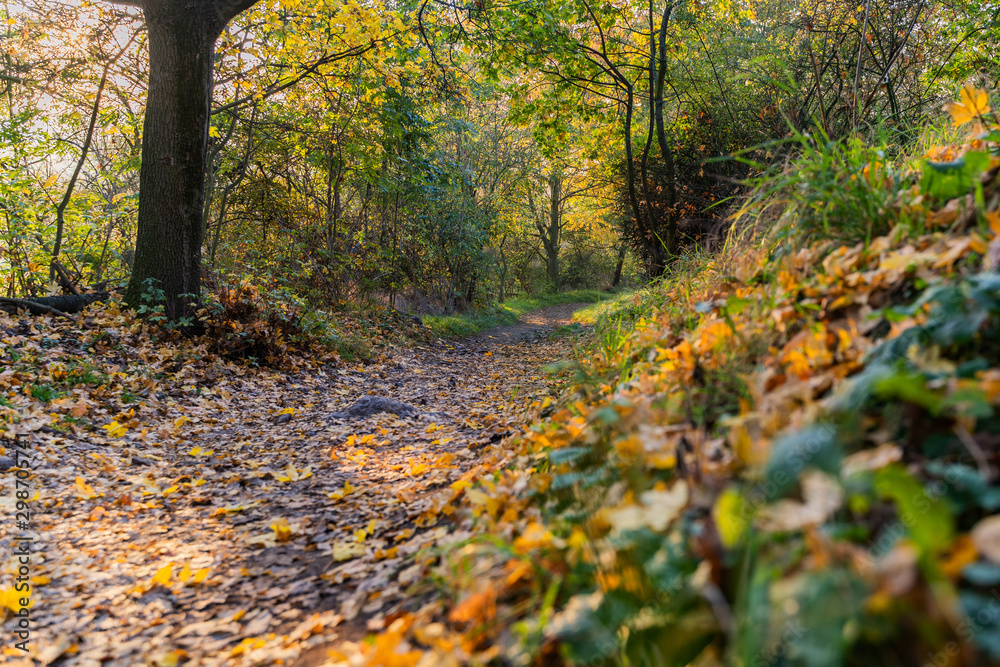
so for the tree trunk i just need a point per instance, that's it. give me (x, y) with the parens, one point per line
(182, 36)
(618, 267)
(633, 199)
(552, 247)
(666, 152)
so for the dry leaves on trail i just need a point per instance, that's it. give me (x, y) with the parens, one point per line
(190, 509)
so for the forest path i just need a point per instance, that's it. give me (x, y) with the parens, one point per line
(533, 324)
(245, 519)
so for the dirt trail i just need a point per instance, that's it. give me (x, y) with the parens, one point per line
(305, 529)
(533, 326)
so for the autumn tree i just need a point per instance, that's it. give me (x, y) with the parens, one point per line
(182, 36)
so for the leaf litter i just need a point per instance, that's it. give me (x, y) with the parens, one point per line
(188, 509)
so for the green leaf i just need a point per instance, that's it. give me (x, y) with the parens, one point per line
(909, 387)
(948, 180)
(927, 519)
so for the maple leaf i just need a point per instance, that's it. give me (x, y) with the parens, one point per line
(974, 103)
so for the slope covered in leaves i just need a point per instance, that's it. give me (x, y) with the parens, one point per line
(786, 455)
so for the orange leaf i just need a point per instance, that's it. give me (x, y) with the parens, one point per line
(476, 608)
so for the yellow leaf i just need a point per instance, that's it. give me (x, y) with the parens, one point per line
(162, 577)
(200, 575)
(184, 574)
(293, 475)
(728, 515)
(282, 530)
(974, 103)
(84, 490)
(535, 536)
(115, 430)
(288, 411)
(347, 550)
(481, 499)
(11, 599)
(337, 495)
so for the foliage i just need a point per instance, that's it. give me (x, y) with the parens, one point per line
(780, 454)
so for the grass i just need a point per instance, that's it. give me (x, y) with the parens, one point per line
(842, 190)
(509, 312)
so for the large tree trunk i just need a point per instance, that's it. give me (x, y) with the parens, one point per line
(182, 36)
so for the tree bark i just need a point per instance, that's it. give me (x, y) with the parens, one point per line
(182, 36)
(666, 152)
(552, 247)
(619, 266)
